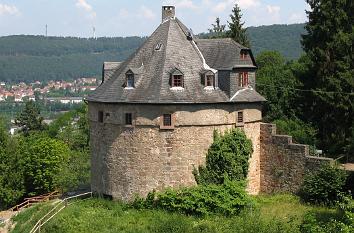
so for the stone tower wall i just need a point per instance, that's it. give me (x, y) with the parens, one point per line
(135, 160)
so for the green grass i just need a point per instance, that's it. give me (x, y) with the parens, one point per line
(279, 213)
(28, 218)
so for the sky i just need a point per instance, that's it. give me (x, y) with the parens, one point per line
(112, 18)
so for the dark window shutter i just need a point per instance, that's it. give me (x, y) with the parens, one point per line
(170, 81)
(202, 79)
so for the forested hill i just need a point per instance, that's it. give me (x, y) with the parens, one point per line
(283, 38)
(29, 58)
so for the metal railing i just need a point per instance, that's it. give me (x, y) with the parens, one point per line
(56, 209)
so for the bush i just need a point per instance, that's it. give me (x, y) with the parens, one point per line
(227, 157)
(227, 199)
(324, 186)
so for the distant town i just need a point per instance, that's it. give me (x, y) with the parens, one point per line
(64, 92)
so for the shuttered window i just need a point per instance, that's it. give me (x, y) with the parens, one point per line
(239, 117)
(243, 79)
(100, 116)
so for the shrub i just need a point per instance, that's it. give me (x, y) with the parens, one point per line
(227, 199)
(227, 157)
(323, 186)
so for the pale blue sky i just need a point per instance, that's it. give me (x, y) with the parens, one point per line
(135, 17)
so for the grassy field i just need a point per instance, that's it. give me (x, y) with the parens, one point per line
(279, 213)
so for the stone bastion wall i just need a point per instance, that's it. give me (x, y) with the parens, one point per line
(284, 164)
(130, 160)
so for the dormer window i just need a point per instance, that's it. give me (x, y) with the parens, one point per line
(177, 79)
(158, 47)
(129, 79)
(243, 79)
(243, 55)
(208, 78)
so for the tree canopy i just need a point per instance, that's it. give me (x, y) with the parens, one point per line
(30, 119)
(329, 46)
(236, 27)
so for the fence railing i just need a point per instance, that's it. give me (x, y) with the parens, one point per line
(56, 209)
(32, 200)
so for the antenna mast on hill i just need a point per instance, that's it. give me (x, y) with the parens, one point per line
(46, 30)
(94, 33)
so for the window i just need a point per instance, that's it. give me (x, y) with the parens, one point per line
(243, 79)
(130, 80)
(128, 119)
(177, 80)
(167, 120)
(239, 117)
(100, 116)
(209, 80)
(158, 46)
(243, 55)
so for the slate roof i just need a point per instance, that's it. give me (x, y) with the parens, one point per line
(154, 68)
(223, 54)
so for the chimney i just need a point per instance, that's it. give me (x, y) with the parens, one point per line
(168, 12)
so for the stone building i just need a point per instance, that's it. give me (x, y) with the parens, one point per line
(153, 117)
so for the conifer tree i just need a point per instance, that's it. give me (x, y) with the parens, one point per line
(30, 119)
(218, 29)
(236, 30)
(329, 44)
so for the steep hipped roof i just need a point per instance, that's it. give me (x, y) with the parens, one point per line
(167, 49)
(222, 54)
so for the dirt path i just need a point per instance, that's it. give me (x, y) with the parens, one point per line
(7, 215)
(349, 166)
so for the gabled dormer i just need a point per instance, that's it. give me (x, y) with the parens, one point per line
(131, 77)
(176, 79)
(208, 79)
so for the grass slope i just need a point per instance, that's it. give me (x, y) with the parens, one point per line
(272, 214)
(30, 58)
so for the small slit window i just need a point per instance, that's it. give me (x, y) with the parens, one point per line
(128, 118)
(240, 117)
(100, 116)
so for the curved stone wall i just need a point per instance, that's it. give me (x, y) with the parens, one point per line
(130, 160)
